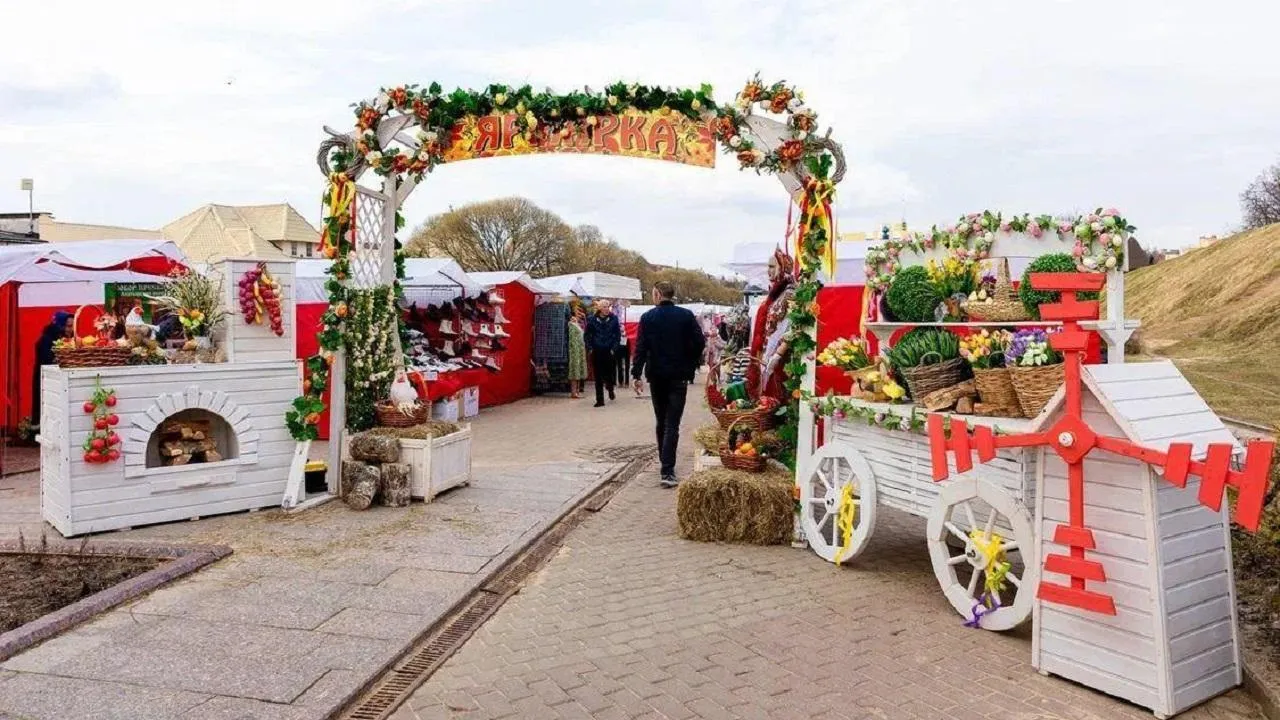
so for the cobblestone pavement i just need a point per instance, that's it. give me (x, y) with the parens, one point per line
(311, 606)
(629, 621)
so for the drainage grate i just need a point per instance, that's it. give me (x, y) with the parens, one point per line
(393, 688)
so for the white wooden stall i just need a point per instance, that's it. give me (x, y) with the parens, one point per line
(243, 401)
(246, 403)
(1173, 641)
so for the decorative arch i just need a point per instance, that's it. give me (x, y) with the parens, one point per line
(405, 132)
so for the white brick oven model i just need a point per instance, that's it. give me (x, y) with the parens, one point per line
(196, 439)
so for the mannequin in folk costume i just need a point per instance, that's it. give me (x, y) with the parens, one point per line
(769, 330)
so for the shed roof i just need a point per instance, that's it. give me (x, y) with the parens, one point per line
(1153, 403)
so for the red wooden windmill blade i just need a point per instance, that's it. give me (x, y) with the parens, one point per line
(1072, 440)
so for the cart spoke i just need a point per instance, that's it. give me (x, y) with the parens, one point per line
(1017, 581)
(956, 531)
(968, 512)
(973, 582)
(957, 559)
(991, 524)
(1010, 545)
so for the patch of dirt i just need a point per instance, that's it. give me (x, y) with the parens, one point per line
(35, 584)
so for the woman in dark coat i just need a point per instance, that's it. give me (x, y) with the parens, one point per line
(57, 329)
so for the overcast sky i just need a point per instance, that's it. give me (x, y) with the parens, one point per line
(134, 113)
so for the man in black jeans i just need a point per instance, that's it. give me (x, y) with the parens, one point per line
(669, 345)
(602, 337)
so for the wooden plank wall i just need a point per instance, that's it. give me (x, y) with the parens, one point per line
(105, 497)
(257, 343)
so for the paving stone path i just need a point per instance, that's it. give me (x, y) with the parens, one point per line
(629, 621)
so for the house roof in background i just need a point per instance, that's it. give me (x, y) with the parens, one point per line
(218, 231)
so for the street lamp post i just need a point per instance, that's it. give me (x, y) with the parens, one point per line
(29, 186)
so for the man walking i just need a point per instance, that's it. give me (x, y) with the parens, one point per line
(602, 336)
(669, 345)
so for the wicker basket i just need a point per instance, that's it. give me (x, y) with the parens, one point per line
(1035, 386)
(390, 416)
(924, 379)
(765, 418)
(747, 463)
(996, 392)
(83, 356)
(1004, 305)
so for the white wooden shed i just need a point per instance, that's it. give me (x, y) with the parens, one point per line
(1173, 640)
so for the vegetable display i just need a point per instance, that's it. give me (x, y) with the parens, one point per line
(259, 297)
(924, 346)
(103, 444)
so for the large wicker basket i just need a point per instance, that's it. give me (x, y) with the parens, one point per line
(1035, 386)
(1004, 305)
(996, 392)
(79, 355)
(764, 417)
(924, 379)
(747, 463)
(390, 416)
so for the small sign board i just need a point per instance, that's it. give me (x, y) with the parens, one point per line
(123, 297)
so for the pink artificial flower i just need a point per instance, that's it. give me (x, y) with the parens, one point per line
(1110, 212)
(838, 414)
(1104, 238)
(1096, 226)
(962, 228)
(1035, 230)
(1004, 227)
(951, 229)
(1092, 218)
(1065, 227)
(1078, 250)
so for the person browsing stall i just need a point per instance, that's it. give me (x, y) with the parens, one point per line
(603, 331)
(669, 346)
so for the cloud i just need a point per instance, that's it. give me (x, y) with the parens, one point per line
(137, 111)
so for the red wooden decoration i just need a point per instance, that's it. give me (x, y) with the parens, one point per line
(1072, 440)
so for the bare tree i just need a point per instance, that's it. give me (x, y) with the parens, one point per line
(504, 234)
(1261, 200)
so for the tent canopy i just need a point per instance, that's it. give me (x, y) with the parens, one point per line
(595, 284)
(425, 273)
(490, 280)
(752, 261)
(85, 261)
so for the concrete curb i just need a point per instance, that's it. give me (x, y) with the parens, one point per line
(185, 560)
(492, 571)
(1267, 697)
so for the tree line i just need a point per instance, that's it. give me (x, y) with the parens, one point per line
(515, 234)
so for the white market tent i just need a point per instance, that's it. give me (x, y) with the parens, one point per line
(751, 260)
(490, 280)
(74, 273)
(595, 285)
(439, 277)
(701, 310)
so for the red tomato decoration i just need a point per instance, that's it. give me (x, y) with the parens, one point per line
(100, 445)
(259, 297)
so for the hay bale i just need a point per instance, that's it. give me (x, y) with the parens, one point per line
(719, 505)
(428, 430)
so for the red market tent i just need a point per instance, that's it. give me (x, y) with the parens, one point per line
(40, 279)
(521, 293)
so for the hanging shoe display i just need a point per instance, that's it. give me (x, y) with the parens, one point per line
(500, 332)
(498, 317)
(446, 327)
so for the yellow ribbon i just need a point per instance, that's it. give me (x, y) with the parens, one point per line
(817, 213)
(844, 521)
(341, 192)
(992, 550)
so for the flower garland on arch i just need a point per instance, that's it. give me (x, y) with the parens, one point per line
(539, 113)
(1100, 239)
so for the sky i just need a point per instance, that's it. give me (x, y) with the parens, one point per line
(136, 112)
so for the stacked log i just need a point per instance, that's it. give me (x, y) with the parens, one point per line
(183, 442)
(374, 473)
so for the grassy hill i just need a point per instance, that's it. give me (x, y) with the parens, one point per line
(1216, 313)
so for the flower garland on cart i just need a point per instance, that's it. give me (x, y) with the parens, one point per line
(537, 115)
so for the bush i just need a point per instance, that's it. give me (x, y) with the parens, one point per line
(1051, 263)
(912, 296)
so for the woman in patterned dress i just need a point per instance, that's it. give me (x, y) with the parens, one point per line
(577, 358)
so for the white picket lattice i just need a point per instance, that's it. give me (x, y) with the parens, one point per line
(370, 241)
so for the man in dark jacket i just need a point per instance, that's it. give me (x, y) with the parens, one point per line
(603, 335)
(669, 345)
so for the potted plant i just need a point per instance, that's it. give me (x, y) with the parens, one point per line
(1035, 369)
(196, 300)
(985, 352)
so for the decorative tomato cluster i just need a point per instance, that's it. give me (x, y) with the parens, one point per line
(260, 295)
(103, 444)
